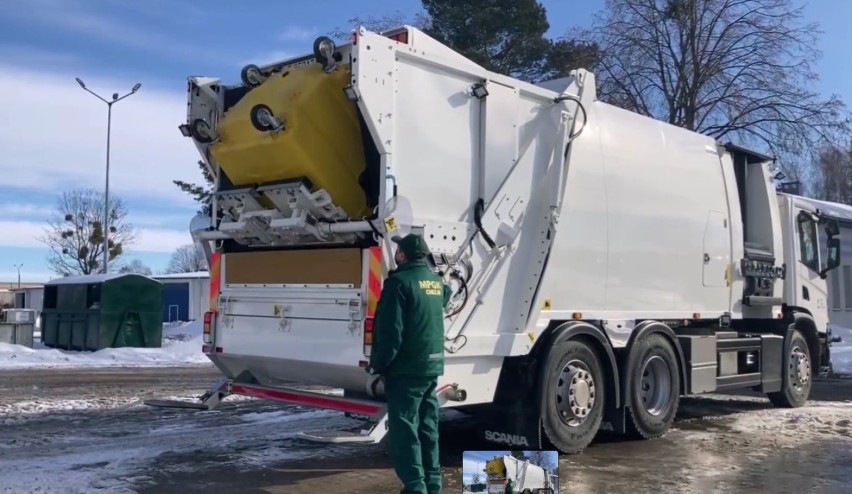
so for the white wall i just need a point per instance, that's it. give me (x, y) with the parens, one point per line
(33, 298)
(199, 292)
(199, 297)
(840, 283)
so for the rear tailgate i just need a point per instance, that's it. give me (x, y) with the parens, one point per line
(294, 315)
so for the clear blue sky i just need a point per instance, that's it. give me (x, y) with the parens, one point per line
(53, 133)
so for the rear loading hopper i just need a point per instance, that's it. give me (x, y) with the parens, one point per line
(293, 315)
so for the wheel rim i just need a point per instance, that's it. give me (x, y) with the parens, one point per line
(253, 76)
(264, 116)
(799, 368)
(656, 385)
(575, 393)
(202, 131)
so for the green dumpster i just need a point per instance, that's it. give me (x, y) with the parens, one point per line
(98, 311)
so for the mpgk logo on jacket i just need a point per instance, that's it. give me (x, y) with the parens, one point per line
(434, 288)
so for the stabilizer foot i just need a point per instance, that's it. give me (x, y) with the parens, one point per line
(207, 401)
(371, 434)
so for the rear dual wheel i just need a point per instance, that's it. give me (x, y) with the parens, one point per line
(653, 385)
(574, 391)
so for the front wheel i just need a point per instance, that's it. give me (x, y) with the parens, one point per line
(654, 387)
(796, 385)
(573, 391)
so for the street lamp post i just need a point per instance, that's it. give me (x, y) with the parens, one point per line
(115, 99)
(18, 267)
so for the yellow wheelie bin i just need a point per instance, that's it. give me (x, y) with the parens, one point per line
(319, 136)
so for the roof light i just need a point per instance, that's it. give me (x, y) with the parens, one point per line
(184, 130)
(479, 90)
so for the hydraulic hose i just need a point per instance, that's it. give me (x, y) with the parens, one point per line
(582, 108)
(478, 211)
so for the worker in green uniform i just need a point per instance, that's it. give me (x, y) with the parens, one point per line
(510, 487)
(408, 352)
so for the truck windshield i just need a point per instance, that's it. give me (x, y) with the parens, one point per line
(808, 241)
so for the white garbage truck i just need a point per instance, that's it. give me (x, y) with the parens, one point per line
(603, 263)
(526, 477)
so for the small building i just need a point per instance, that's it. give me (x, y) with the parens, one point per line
(31, 297)
(7, 298)
(186, 295)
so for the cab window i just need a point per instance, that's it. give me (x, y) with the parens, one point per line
(808, 241)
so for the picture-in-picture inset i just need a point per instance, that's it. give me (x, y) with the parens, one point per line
(510, 472)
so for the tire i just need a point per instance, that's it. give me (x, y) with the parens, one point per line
(200, 131)
(572, 371)
(251, 76)
(653, 384)
(258, 121)
(797, 377)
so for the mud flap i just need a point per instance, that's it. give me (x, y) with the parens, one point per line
(514, 418)
(614, 420)
(511, 427)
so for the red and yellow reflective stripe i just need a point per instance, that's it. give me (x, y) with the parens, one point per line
(374, 281)
(215, 278)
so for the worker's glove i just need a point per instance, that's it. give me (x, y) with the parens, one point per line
(375, 385)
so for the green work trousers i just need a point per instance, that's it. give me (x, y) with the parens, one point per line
(413, 433)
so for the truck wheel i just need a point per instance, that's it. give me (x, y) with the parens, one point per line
(573, 391)
(796, 384)
(654, 387)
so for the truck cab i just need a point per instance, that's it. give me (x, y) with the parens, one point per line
(812, 243)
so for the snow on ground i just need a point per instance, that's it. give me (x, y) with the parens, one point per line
(841, 353)
(21, 411)
(118, 450)
(181, 346)
(790, 426)
(14, 412)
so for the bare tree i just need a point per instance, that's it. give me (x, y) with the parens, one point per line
(521, 455)
(732, 69)
(136, 266)
(833, 175)
(186, 260)
(75, 233)
(543, 459)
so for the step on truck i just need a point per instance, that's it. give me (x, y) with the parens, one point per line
(603, 263)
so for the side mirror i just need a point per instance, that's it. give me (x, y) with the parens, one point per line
(832, 229)
(833, 256)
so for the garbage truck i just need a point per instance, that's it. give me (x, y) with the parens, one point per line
(602, 263)
(526, 477)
